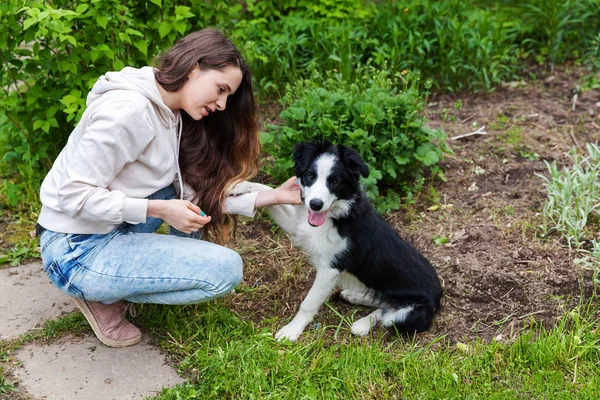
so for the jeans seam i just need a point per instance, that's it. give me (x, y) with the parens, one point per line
(52, 240)
(214, 287)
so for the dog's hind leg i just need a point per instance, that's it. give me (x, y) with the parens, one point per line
(359, 298)
(355, 292)
(363, 326)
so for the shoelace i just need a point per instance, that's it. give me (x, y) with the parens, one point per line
(130, 309)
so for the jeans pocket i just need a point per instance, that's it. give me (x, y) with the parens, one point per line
(59, 280)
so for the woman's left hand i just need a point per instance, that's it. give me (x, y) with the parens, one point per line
(289, 192)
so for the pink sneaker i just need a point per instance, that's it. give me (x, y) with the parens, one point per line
(109, 323)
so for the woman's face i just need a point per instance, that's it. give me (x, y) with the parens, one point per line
(206, 91)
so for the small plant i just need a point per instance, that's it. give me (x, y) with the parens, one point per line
(591, 260)
(20, 252)
(377, 114)
(500, 124)
(513, 136)
(6, 387)
(573, 196)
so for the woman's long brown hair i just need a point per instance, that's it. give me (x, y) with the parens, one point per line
(223, 147)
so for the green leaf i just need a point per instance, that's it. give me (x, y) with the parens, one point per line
(118, 65)
(157, 2)
(28, 22)
(102, 20)
(142, 46)
(165, 28)
(134, 32)
(95, 54)
(266, 138)
(180, 26)
(81, 8)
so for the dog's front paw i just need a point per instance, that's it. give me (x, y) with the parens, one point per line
(243, 187)
(289, 332)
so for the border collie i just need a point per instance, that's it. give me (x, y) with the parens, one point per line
(351, 246)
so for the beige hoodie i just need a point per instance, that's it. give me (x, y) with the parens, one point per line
(124, 148)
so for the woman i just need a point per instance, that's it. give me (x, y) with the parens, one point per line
(154, 145)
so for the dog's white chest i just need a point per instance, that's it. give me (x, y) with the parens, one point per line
(322, 243)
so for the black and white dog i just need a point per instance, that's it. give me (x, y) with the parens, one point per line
(351, 246)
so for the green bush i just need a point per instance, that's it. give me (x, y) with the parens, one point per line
(378, 114)
(52, 52)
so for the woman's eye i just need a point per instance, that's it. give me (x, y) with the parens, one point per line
(221, 90)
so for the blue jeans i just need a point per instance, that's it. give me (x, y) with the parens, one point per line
(135, 264)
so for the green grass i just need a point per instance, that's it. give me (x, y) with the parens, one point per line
(225, 356)
(5, 386)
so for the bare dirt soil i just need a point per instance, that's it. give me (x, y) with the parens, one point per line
(499, 275)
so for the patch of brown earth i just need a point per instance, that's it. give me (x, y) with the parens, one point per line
(498, 275)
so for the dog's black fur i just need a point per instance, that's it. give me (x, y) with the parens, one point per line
(395, 271)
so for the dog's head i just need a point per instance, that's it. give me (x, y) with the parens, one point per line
(329, 178)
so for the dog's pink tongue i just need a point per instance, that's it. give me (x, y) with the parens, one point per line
(316, 218)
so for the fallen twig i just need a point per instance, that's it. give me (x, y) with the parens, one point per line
(575, 140)
(479, 131)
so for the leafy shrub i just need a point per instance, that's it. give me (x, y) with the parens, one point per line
(378, 114)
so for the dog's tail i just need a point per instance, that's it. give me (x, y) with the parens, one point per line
(409, 319)
(413, 313)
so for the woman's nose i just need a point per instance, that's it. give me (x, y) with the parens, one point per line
(221, 103)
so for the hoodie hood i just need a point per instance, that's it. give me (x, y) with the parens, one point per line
(143, 81)
(140, 80)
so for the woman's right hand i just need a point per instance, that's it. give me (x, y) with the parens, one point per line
(180, 214)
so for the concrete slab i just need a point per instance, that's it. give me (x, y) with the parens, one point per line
(88, 370)
(28, 298)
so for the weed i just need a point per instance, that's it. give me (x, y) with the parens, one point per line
(573, 196)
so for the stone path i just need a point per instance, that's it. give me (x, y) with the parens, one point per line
(72, 368)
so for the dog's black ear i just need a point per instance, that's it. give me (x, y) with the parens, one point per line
(353, 161)
(304, 154)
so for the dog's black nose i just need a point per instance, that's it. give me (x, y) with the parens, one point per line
(316, 204)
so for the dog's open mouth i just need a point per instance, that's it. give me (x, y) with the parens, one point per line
(316, 218)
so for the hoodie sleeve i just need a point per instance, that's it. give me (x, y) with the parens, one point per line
(242, 204)
(117, 134)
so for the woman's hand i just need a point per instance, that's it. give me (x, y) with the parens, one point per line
(180, 214)
(288, 193)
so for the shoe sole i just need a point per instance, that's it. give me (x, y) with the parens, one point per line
(89, 315)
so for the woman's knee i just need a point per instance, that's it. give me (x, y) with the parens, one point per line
(232, 268)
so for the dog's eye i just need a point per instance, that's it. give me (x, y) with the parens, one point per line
(309, 176)
(334, 182)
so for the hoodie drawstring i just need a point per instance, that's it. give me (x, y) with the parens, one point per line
(179, 131)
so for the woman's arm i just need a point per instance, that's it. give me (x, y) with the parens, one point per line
(288, 193)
